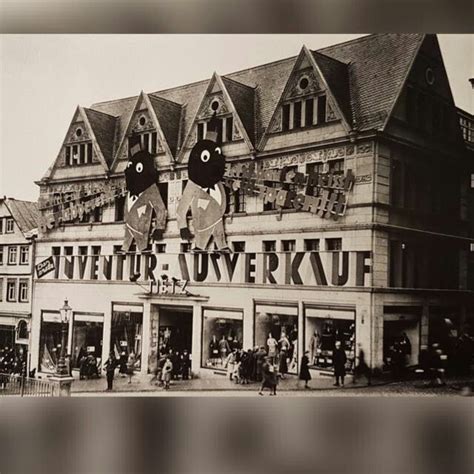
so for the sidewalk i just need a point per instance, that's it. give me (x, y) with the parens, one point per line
(141, 383)
(383, 386)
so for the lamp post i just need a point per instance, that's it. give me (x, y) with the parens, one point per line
(65, 312)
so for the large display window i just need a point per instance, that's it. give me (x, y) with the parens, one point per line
(323, 327)
(276, 329)
(50, 341)
(126, 331)
(222, 332)
(87, 337)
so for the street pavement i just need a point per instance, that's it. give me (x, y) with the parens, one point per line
(289, 387)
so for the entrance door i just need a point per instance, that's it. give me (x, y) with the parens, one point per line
(395, 330)
(175, 328)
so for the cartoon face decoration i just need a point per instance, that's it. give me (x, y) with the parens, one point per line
(140, 173)
(206, 164)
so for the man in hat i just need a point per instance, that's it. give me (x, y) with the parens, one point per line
(204, 192)
(143, 200)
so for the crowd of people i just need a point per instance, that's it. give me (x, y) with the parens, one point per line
(12, 362)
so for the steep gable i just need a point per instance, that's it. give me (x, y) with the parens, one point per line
(379, 65)
(310, 78)
(218, 100)
(81, 143)
(143, 122)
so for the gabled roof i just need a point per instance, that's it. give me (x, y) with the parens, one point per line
(99, 127)
(364, 75)
(103, 126)
(379, 65)
(168, 114)
(25, 213)
(336, 75)
(243, 99)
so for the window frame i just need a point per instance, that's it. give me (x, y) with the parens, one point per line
(22, 253)
(9, 260)
(11, 283)
(22, 284)
(8, 221)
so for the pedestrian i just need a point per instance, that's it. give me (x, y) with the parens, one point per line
(167, 370)
(159, 369)
(362, 367)
(283, 362)
(230, 363)
(259, 361)
(269, 377)
(176, 361)
(185, 364)
(131, 366)
(109, 368)
(304, 369)
(340, 359)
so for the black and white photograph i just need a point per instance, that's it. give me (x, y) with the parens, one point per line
(274, 217)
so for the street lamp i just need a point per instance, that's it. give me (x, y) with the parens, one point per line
(65, 313)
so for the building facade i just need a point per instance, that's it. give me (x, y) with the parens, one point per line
(348, 189)
(18, 229)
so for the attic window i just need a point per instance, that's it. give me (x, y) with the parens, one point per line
(215, 105)
(79, 132)
(429, 76)
(142, 121)
(79, 154)
(304, 83)
(304, 113)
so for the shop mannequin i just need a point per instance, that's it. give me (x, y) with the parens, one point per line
(224, 349)
(314, 345)
(213, 350)
(272, 346)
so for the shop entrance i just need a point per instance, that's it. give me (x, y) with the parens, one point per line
(175, 328)
(399, 331)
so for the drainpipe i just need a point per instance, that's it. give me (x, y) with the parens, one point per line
(32, 290)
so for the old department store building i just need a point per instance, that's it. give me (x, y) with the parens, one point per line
(394, 257)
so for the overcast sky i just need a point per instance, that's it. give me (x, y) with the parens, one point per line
(44, 77)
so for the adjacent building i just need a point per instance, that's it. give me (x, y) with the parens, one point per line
(377, 245)
(18, 229)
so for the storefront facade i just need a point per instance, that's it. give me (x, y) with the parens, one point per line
(325, 241)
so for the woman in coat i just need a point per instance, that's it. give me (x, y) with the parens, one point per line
(304, 370)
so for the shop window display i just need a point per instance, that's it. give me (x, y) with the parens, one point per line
(126, 332)
(50, 342)
(322, 329)
(87, 339)
(222, 333)
(276, 329)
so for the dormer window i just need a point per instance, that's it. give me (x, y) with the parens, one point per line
(148, 141)
(79, 132)
(304, 112)
(225, 126)
(79, 154)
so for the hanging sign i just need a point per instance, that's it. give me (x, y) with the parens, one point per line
(45, 267)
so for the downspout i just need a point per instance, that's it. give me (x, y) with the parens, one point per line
(32, 273)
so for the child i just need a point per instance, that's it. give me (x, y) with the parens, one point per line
(167, 370)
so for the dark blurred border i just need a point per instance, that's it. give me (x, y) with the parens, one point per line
(235, 16)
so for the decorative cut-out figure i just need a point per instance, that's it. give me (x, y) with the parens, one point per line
(204, 192)
(143, 200)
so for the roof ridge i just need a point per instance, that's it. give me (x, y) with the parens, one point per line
(239, 83)
(315, 51)
(157, 97)
(132, 97)
(355, 40)
(115, 117)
